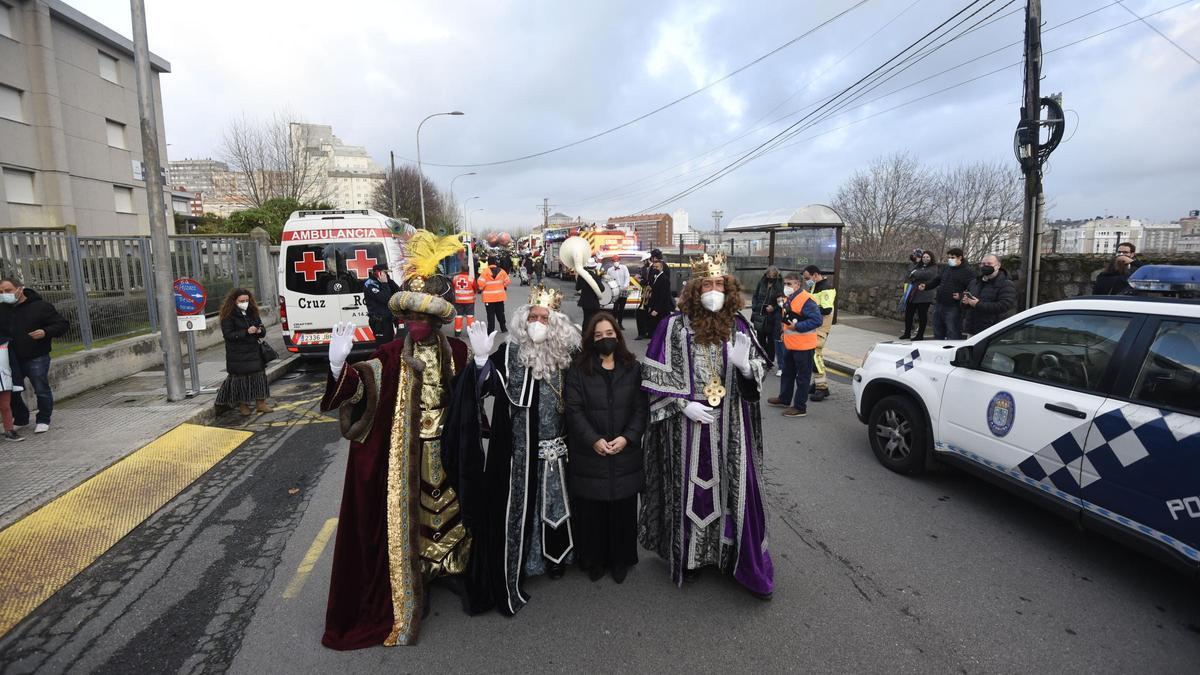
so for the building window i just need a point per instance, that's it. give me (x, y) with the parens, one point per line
(123, 199)
(18, 186)
(116, 134)
(108, 67)
(6, 21)
(10, 103)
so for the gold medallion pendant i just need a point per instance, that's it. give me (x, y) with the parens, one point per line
(715, 391)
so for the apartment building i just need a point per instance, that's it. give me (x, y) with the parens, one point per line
(70, 139)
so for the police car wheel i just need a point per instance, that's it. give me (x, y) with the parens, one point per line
(898, 433)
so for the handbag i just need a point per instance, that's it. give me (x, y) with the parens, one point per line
(267, 352)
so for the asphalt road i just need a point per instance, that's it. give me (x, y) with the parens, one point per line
(874, 573)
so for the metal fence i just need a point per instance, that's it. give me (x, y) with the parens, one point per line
(104, 286)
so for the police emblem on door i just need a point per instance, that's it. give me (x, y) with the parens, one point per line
(1001, 413)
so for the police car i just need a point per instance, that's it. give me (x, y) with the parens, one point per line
(1090, 406)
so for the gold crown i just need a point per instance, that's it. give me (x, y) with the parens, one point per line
(709, 267)
(540, 296)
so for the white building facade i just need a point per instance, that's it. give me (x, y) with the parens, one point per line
(350, 176)
(70, 130)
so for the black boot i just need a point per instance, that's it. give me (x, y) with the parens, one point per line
(619, 572)
(556, 570)
(819, 395)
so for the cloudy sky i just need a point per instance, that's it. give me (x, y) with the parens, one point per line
(535, 75)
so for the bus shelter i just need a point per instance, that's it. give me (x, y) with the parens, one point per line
(794, 239)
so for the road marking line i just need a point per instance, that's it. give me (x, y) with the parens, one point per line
(43, 551)
(310, 559)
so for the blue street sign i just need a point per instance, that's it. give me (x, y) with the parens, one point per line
(190, 297)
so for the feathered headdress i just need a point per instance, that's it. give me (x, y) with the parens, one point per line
(426, 250)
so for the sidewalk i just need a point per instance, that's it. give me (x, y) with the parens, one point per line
(853, 335)
(92, 431)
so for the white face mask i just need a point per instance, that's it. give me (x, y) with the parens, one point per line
(243, 306)
(713, 301)
(789, 289)
(953, 262)
(538, 331)
(8, 298)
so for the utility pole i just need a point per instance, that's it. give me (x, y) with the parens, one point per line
(1029, 150)
(159, 240)
(392, 181)
(545, 209)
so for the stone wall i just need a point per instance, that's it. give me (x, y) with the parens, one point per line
(873, 287)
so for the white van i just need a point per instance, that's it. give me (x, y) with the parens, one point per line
(324, 258)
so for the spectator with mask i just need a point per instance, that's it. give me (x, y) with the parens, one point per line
(921, 272)
(950, 285)
(1114, 279)
(32, 324)
(770, 286)
(662, 302)
(8, 389)
(377, 290)
(990, 296)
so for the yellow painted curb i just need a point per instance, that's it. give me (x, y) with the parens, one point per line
(43, 551)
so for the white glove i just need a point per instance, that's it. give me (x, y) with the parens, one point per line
(698, 412)
(340, 344)
(481, 342)
(739, 353)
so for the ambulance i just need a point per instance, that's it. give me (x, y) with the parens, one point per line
(324, 258)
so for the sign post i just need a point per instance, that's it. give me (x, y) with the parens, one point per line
(190, 298)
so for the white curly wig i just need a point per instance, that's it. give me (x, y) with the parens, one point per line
(555, 352)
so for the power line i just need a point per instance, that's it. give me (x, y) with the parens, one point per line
(920, 98)
(661, 183)
(748, 156)
(663, 107)
(1161, 34)
(755, 126)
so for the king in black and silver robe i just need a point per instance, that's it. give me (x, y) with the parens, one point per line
(527, 451)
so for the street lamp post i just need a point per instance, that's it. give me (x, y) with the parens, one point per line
(452, 183)
(420, 171)
(468, 201)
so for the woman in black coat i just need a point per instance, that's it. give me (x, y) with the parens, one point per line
(247, 373)
(606, 415)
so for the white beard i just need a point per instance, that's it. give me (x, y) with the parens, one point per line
(553, 353)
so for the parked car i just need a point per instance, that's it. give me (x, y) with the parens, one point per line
(1089, 406)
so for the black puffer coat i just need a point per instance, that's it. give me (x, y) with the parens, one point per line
(997, 297)
(599, 406)
(242, 356)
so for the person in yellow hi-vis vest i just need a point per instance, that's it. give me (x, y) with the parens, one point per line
(801, 319)
(822, 290)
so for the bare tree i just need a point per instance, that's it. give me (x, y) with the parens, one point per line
(276, 159)
(977, 206)
(886, 207)
(440, 213)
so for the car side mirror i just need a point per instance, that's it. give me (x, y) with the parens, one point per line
(963, 356)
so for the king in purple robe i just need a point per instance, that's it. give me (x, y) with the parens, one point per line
(703, 503)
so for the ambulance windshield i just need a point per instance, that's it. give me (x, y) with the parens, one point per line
(331, 269)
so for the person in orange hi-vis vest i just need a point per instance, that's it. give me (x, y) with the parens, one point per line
(801, 320)
(464, 301)
(492, 282)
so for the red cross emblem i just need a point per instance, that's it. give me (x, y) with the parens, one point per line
(360, 264)
(309, 266)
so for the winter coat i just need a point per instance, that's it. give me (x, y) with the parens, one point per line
(376, 295)
(772, 327)
(952, 280)
(604, 405)
(19, 321)
(242, 355)
(1111, 282)
(660, 294)
(588, 300)
(768, 289)
(918, 274)
(997, 297)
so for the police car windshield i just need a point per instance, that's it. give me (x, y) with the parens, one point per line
(331, 269)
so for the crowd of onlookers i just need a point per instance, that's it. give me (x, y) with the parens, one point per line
(965, 299)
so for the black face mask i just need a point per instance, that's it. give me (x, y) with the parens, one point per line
(987, 270)
(606, 346)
